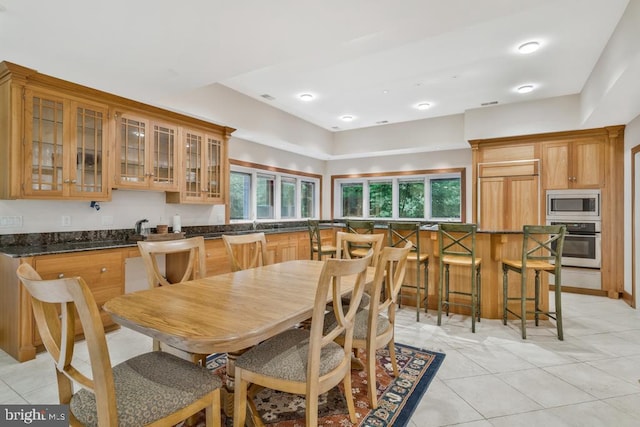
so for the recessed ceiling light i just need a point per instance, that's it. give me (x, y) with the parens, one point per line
(529, 47)
(525, 89)
(347, 118)
(385, 91)
(423, 106)
(306, 97)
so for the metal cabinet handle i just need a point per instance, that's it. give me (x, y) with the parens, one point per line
(60, 276)
(103, 270)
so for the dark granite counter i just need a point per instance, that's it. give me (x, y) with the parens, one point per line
(25, 245)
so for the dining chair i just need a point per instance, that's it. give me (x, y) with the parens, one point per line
(400, 233)
(154, 388)
(457, 247)
(246, 250)
(541, 251)
(307, 361)
(315, 241)
(359, 227)
(345, 241)
(374, 327)
(187, 258)
(191, 265)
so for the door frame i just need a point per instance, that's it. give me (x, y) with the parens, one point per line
(634, 226)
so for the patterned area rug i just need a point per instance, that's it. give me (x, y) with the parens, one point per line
(397, 397)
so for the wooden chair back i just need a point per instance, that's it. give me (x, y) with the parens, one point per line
(542, 246)
(74, 298)
(246, 250)
(457, 241)
(194, 264)
(346, 241)
(389, 276)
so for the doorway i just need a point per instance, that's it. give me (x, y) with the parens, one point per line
(635, 224)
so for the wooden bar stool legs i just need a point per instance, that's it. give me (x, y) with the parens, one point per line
(457, 244)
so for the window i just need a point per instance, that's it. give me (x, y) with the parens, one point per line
(381, 199)
(288, 199)
(240, 199)
(425, 195)
(264, 194)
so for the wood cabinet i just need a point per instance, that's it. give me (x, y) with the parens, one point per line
(60, 140)
(146, 153)
(64, 149)
(574, 164)
(204, 168)
(588, 158)
(103, 271)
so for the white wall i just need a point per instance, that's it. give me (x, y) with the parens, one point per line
(125, 208)
(523, 118)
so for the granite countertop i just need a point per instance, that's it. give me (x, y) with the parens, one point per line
(25, 245)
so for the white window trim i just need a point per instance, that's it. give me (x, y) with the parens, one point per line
(395, 180)
(254, 172)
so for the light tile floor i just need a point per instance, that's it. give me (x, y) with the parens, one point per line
(490, 378)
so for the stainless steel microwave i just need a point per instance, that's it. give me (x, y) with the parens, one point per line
(569, 204)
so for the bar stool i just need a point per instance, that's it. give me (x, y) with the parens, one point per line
(359, 227)
(541, 251)
(315, 241)
(399, 234)
(457, 244)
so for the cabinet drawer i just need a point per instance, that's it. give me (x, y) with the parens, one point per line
(102, 270)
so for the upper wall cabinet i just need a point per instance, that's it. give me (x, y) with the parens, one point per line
(574, 164)
(204, 168)
(60, 140)
(64, 148)
(147, 154)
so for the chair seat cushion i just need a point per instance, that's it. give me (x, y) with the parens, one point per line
(360, 324)
(149, 387)
(285, 356)
(324, 248)
(531, 264)
(459, 260)
(413, 257)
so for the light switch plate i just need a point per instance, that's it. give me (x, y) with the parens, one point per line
(66, 220)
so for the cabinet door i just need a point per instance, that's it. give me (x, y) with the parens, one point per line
(491, 203)
(212, 169)
(555, 165)
(522, 202)
(203, 168)
(163, 157)
(131, 141)
(194, 185)
(87, 168)
(46, 129)
(587, 164)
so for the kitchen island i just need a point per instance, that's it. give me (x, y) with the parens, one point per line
(492, 246)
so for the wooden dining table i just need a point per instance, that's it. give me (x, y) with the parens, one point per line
(227, 313)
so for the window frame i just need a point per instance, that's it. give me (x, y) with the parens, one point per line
(396, 177)
(279, 176)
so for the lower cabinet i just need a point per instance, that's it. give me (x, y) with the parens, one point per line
(103, 271)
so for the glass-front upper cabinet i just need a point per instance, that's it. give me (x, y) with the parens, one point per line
(64, 148)
(202, 169)
(147, 153)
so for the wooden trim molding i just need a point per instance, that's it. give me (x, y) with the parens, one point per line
(634, 249)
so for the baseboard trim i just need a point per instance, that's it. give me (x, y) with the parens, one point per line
(583, 291)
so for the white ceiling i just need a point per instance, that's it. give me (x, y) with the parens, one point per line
(372, 59)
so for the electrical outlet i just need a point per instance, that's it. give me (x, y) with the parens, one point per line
(66, 220)
(10, 221)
